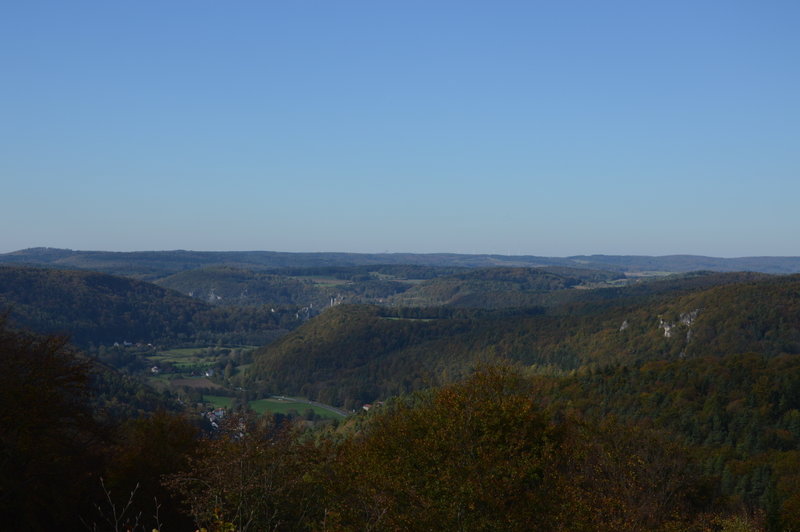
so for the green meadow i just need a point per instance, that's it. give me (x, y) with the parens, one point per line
(275, 406)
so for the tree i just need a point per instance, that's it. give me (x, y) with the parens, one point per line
(257, 475)
(479, 455)
(49, 440)
(147, 449)
(483, 454)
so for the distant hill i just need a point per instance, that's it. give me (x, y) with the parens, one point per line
(307, 287)
(156, 264)
(688, 263)
(416, 286)
(501, 287)
(152, 265)
(355, 354)
(98, 308)
(229, 285)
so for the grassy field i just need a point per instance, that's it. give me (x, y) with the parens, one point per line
(322, 281)
(188, 359)
(186, 366)
(183, 352)
(395, 318)
(196, 359)
(219, 401)
(195, 382)
(276, 406)
(185, 358)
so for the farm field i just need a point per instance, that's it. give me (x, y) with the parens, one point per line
(273, 405)
(194, 359)
(283, 406)
(219, 401)
(322, 280)
(196, 367)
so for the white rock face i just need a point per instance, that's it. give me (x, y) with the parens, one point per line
(687, 318)
(667, 326)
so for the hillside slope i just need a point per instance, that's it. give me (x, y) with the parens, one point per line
(501, 287)
(304, 287)
(352, 355)
(235, 286)
(97, 308)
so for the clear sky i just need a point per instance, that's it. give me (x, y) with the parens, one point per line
(521, 127)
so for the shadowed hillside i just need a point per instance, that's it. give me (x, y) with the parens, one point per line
(102, 309)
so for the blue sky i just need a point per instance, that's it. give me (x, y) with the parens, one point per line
(519, 127)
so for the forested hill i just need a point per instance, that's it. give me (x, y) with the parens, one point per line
(501, 287)
(306, 287)
(95, 308)
(739, 414)
(498, 287)
(351, 355)
(228, 285)
(709, 361)
(688, 263)
(157, 264)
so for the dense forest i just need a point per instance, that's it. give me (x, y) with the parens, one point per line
(94, 309)
(483, 454)
(303, 287)
(500, 287)
(358, 354)
(547, 398)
